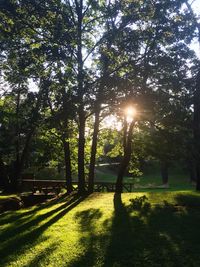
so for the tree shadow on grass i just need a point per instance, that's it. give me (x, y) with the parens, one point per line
(90, 238)
(140, 234)
(22, 225)
(21, 238)
(164, 235)
(21, 215)
(121, 242)
(189, 200)
(42, 257)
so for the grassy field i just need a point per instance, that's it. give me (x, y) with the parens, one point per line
(103, 229)
(178, 178)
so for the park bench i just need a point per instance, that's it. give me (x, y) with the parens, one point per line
(43, 186)
(48, 186)
(111, 187)
(107, 186)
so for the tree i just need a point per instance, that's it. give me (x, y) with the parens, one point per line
(196, 99)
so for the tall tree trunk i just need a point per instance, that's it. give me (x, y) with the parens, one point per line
(81, 154)
(17, 167)
(192, 170)
(68, 172)
(125, 160)
(196, 119)
(196, 129)
(17, 135)
(164, 172)
(81, 112)
(198, 177)
(3, 176)
(93, 152)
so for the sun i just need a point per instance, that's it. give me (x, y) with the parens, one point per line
(130, 113)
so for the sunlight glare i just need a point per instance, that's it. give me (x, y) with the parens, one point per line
(130, 113)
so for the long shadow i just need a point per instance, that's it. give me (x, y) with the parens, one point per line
(121, 236)
(90, 239)
(43, 255)
(13, 216)
(165, 235)
(25, 236)
(189, 200)
(22, 225)
(138, 234)
(179, 234)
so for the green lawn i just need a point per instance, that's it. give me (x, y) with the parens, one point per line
(178, 178)
(103, 230)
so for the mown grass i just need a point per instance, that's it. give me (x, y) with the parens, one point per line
(178, 178)
(104, 229)
(6, 196)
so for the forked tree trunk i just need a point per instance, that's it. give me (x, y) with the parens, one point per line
(126, 159)
(93, 152)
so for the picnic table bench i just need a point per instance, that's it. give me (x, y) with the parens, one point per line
(107, 186)
(47, 186)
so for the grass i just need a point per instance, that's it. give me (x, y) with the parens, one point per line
(178, 178)
(103, 229)
(6, 196)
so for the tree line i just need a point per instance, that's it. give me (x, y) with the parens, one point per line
(90, 59)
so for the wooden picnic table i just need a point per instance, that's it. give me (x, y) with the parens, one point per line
(47, 186)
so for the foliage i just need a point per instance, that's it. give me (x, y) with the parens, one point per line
(90, 59)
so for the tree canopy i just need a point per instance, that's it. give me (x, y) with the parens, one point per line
(90, 60)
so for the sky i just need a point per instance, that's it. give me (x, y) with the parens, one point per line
(195, 44)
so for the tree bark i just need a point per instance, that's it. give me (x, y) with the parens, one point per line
(3, 176)
(192, 170)
(81, 154)
(125, 160)
(93, 152)
(164, 172)
(196, 129)
(196, 119)
(81, 112)
(68, 172)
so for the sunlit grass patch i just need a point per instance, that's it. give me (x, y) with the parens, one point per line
(103, 230)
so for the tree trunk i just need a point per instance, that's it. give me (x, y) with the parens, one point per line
(3, 176)
(81, 112)
(196, 119)
(196, 129)
(198, 178)
(125, 160)
(81, 154)
(164, 172)
(93, 152)
(17, 135)
(18, 168)
(192, 170)
(68, 172)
